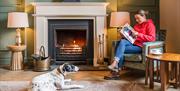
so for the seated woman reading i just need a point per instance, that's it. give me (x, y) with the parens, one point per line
(144, 31)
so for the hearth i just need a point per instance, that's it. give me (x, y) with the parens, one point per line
(71, 40)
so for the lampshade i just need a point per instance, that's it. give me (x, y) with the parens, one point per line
(17, 20)
(119, 19)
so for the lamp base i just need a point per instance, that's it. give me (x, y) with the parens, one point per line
(18, 37)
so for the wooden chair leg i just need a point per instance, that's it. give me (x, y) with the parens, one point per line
(164, 73)
(179, 73)
(157, 71)
(176, 75)
(173, 71)
(147, 72)
(151, 70)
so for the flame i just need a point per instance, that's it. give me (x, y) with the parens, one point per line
(74, 41)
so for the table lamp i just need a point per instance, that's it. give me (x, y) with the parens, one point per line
(17, 20)
(118, 19)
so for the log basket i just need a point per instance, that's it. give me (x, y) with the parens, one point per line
(41, 62)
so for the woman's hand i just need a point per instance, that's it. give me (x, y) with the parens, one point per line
(135, 33)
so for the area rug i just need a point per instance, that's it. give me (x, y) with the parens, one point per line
(99, 85)
(14, 85)
(109, 85)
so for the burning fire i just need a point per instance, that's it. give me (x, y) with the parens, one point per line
(76, 46)
(71, 49)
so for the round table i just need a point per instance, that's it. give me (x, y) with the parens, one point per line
(164, 60)
(16, 58)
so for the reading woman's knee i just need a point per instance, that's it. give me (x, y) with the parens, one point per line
(124, 41)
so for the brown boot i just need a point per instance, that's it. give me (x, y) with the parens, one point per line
(113, 76)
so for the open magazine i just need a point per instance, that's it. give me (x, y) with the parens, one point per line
(126, 31)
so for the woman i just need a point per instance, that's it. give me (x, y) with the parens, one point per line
(144, 31)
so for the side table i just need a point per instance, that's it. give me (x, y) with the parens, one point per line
(164, 60)
(16, 58)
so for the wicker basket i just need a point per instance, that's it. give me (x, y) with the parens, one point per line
(41, 63)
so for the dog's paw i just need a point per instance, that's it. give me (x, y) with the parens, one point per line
(67, 80)
(79, 86)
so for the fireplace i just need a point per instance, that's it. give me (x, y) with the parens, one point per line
(71, 31)
(71, 40)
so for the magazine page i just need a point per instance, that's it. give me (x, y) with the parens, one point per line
(127, 33)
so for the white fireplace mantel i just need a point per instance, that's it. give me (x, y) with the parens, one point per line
(71, 10)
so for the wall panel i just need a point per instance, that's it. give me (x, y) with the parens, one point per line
(7, 36)
(133, 5)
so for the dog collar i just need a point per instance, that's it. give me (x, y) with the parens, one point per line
(60, 71)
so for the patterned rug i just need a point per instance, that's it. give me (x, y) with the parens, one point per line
(14, 85)
(99, 85)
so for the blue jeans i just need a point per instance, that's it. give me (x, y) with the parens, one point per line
(124, 46)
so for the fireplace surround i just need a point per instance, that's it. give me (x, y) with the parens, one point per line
(92, 11)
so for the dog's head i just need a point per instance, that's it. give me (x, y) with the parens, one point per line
(67, 68)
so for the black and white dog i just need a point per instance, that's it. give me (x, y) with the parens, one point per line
(54, 80)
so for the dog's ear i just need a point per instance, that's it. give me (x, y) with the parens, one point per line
(61, 69)
(67, 68)
(64, 66)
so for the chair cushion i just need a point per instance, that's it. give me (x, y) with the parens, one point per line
(135, 65)
(133, 57)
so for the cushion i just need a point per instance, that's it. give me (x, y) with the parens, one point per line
(135, 65)
(133, 57)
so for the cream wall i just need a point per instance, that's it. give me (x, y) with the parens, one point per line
(170, 20)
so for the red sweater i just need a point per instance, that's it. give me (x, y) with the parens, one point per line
(146, 32)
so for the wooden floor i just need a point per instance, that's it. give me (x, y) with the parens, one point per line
(27, 75)
(126, 76)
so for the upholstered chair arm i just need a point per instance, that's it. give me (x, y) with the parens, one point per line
(147, 46)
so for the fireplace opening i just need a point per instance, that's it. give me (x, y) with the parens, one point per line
(71, 44)
(71, 41)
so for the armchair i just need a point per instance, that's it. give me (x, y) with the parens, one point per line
(138, 61)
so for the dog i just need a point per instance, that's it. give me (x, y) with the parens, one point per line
(54, 80)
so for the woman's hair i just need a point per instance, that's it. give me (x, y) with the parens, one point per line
(142, 12)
